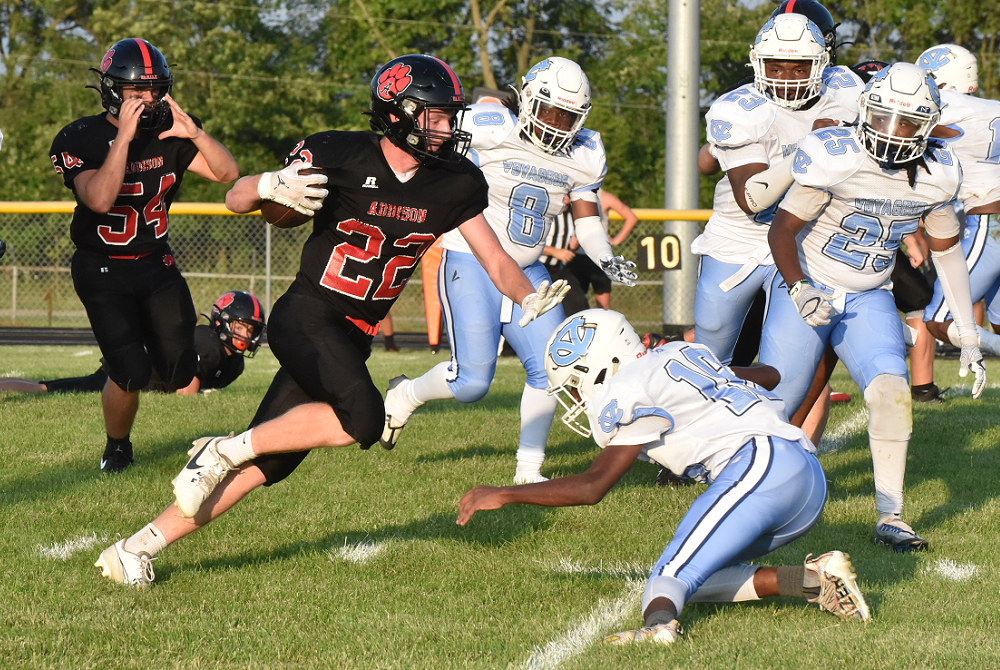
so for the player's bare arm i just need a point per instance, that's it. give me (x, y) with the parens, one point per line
(760, 374)
(213, 162)
(98, 189)
(611, 202)
(586, 488)
(242, 197)
(784, 248)
(503, 270)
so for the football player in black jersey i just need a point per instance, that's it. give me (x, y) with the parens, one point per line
(124, 168)
(379, 200)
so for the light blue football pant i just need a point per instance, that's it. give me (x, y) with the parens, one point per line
(718, 314)
(473, 313)
(982, 255)
(867, 336)
(770, 493)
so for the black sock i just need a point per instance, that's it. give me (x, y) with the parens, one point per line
(791, 580)
(657, 617)
(123, 443)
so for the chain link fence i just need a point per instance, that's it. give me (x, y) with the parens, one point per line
(219, 253)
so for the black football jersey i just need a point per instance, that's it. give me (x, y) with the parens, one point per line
(216, 368)
(138, 221)
(373, 229)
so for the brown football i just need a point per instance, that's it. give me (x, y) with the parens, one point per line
(285, 217)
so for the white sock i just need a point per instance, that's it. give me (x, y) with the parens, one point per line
(537, 410)
(149, 540)
(988, 342)
(237, 449)
(432, 385)
(728, 585)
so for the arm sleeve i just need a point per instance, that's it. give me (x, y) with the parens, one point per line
(593, 237)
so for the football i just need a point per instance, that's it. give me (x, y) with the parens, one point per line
(279, 215)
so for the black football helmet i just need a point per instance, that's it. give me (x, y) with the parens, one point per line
(238, 306)
(403, 90)
(135, 62)
(866, 68)
(819, 15)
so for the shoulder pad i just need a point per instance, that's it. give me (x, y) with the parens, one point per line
(489, 123)
(945, 169)
(844, 85)
(588, 152)
(739, 118)
(827, 157)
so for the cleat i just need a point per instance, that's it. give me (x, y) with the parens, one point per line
(396, 414)
(928, 396)
(836, 397)
(666, 477)
(896, 534)
(839, 592)
(116, 459)
(124, 567)
(664, 633)
(201, 475)
(533, 478)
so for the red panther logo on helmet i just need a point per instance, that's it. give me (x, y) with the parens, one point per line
(225, 301)
(106, 61)
(394, 81)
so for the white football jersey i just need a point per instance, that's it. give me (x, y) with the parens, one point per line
(527, 185)
(978, 146)
(858, 213)
(689, 411)
(748, 128)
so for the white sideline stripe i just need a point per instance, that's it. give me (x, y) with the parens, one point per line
(855, 424)
(359, 552)
(61, 551)
(952, 571)
(604, 616)
(85, 352)
(634, 571)
(13, 373)
(964, 390)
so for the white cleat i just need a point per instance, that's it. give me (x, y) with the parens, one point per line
(664, 633)
(200, 476)
(124, 567)
(839, 592)
(396, 412)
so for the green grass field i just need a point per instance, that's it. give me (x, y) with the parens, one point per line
(356, 562)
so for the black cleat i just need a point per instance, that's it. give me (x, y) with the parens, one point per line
(116, 458)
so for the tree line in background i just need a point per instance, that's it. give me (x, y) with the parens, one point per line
(263, 74)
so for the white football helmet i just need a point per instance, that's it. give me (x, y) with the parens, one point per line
(584, 352)
(899, 107)
(554, 83)
(789, 37)
(953, 67)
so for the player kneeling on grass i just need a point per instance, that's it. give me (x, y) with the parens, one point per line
(676, 405)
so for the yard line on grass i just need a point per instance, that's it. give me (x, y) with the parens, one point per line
(359, 552)
(952, 571)
(61, 551)
(626, 570)
(836, 438)
(85, 352)
(575, 641)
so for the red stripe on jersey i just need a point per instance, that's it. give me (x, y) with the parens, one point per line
(454, 77)
(147, 62)
(790, 7)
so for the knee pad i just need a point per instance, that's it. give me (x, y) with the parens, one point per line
(889, 408)
(468, 390)
(361, 413)
(129, 368)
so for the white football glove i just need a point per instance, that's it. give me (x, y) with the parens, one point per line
(287, 187)
(619, 269)
(814, 306)
(545, 298)
(973, 358)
